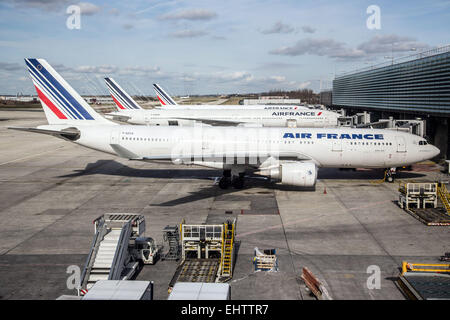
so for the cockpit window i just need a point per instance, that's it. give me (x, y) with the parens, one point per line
(423, 143)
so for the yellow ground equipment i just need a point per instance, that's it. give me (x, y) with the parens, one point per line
(420, 195)
(425, 281)
(207, 253)
(227, 250)
(265, 261)
(420, 200)
(444, 196)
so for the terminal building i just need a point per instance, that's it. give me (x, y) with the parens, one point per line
(412, 87)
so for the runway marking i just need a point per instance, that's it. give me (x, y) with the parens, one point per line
(32, 156)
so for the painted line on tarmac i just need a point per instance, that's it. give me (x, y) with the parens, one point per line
(32, 156)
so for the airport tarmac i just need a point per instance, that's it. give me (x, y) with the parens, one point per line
(52, 190)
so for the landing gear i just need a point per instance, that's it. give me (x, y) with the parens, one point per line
(238, 181)
(390, 175)
(227, 180)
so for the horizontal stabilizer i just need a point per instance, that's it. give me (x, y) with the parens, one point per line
(71, 134)
(117, 117)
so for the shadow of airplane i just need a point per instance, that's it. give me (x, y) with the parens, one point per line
(114, 168)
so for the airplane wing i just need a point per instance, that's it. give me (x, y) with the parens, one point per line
(213, 122)
(67, 134)
(294, 156)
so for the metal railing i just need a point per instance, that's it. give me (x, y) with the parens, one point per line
(429, 267)
(444, 196)
(420, 55)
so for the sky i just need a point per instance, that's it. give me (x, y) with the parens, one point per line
(211, 47)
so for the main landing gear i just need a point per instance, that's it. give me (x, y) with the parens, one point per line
(227, 180)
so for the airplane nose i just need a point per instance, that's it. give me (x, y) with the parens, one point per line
(436, 151)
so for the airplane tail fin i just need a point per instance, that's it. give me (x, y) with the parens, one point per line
(61, 103)
(163, 97)
(121, 98)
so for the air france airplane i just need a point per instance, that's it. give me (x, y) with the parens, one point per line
(130, 112)
(168, 103)
(290, 155)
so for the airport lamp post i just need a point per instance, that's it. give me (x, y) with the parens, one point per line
(392, 54)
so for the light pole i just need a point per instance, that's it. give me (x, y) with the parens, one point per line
(392, 53)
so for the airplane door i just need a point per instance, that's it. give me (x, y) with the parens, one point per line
(115, 136)
(401, 146)
(291, 123)
(336, 145)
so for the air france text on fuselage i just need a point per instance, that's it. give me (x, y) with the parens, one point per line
(353, 136)
(296, 113)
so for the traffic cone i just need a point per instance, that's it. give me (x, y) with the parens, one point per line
(324, 190)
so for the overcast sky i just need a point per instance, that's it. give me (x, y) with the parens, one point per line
(200, 47)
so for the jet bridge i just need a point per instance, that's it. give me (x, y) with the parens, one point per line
(117, 249)
(414, 126)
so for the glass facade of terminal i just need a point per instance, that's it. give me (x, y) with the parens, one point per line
(418, 86)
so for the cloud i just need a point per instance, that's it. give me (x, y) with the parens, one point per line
(278, 65)
(303, 85)
(188, 34)
(379, 44)
(140, 71)
(278, 78)
(308, 29)
(218, 38)
(232, 76)
(7, 66)
(128, 26)
(191, 14)
(108, 70)
(319, 47)
(278, 27)
(114, 11)
(105, 69)
(88, 8)
(46, 5)
(388, 43)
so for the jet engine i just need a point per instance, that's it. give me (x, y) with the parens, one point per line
(301, 174)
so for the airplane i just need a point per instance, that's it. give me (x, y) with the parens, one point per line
(130, 112)
(167, 102)
(292, 156)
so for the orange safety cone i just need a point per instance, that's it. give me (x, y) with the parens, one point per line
(324, 190)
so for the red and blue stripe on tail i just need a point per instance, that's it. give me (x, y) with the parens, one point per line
(61, 103)
(120, 97)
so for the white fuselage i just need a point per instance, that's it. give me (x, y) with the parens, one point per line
(325, 147)
(232, 107)
(262, 117)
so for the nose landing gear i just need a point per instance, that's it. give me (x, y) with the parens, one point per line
(390, 175)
